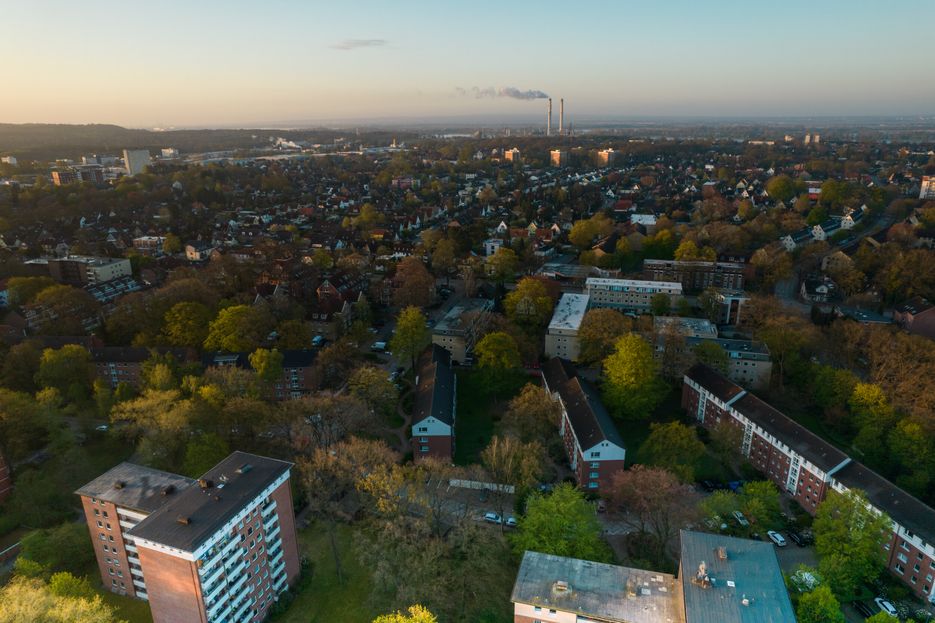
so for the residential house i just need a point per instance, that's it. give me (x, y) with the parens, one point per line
(593, 445)
(917, 315)
(435, 407)
(807, 467)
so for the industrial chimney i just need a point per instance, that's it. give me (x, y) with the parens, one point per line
(561, 116)
(548, 123)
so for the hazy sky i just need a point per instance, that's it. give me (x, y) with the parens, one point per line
(226, 62)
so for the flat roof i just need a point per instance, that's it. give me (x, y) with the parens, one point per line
(234, 482)
(694, 327)
(749, 571)
(136, 487)
(570, 311)
(454, 320)
(641, 283)
(597, 590)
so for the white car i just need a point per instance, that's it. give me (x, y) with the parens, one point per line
(776, 538)
(886, 606)
(741, 520)
(511, 522)
(493, 518)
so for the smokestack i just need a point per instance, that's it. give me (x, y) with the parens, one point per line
(561, 116)
(548, 123)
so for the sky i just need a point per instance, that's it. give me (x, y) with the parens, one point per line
(221, 63)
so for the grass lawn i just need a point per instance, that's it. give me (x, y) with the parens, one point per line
(478, 412)
(325, 599)
(635, 432)
(128, 609)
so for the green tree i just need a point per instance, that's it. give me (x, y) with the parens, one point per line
(21, 429)
(849, 539)
(660, 304)
(204, 452)
(498, 352)
(711, 354)
(599, 331)
(415, 614)
(65, 310)
(64, 584)
(759, 501)
(532, 415)
(781, 188)
(267, 364)
(675, 447)
(20, 365)
(819, 606)
(186, 324)
(172, 244)
(65, 547)
(529, 306)
(294, 334)
(30, 600)
(237, 329)
(371, 385)
(562, 523)
(67, 369)
(23, 290)
(502, 265)
(443, 258)
(883, 617)
(412, 336)
(632, 387)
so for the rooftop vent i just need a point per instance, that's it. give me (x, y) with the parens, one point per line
(243, 469)
(119, 484)
(183, 520)
(169, 490)
(722, 553)
(560, 586)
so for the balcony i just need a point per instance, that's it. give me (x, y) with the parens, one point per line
(269, 523)
(242, 610)
(269, 508)
(214, 592)
(219, 612)
(236, 568)
(277, 570)
(277, 558)
(272, 534)
(209, 579)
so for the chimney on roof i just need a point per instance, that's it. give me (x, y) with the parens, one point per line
(560, 586)
(119, 484)
(722, 553)
(183, 520)
(205, 483)
(168, 490)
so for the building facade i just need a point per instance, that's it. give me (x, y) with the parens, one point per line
(561, 338)
(221, 548)
(78, 270)
(136, 161)
(696, 275)
(806, 467)
(593, 445)
(435, 407)
(917, 315)
(630, 294)
(458, 330)
(558, 158)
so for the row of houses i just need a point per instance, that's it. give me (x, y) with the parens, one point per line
(808, 467)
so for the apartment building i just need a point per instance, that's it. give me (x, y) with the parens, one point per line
(607, 157)
(558, 157)
(78, 270)
(696, 275)
(561, 338)
(458, 330)
(124, 364)
(149, 245)
(720, 579)
(630, 294)
(221, 548)
(297, 378)
(748, 362)
(435, 407)
(136, 160)
(807, 467)
(593, 445)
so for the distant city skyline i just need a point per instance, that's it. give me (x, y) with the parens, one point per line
(238, 63)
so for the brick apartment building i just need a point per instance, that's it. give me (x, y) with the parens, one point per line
(220, 548)
(434, 408)
(807, 467)
(6, 480)
(297, 378)
(593, 444)
(917, 315)
(124, 364)
(629, 294)
(696, 275)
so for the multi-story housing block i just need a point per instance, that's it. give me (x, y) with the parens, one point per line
(592, 442)
(435, 406)
(78, 270)
(630, 294)
(458, 330)
(696, 275)
(807, 467)
(561, 338)
(221, 548)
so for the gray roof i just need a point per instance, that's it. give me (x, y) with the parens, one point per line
(231, 485)
(586, 412)
(135, 487)
(597, 590)
(752, 568)
(435, 391)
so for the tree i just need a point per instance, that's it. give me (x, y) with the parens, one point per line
(509, 461)
(267, 364)
(414, 284)
(293, 334)
(30, 600)
(443, 258)
(660, 304)
(204, 452)
(711, 354)
(502, 264)
(689, 251)
(529, 306)
(655, 502)
(67, 369)
(159, 421)
(237, 329)
(186, 324)
(599, 331)
(172, 244)
(65, 310)
(21, 430)
(371, 385)
(20, 365)
(22, 290)
(726, 441)
(673, 446)
(884, 617)
(820, 606)
(412, 335)
(62, 548)
(759, 501)
(498, 353)
(562, 523)
(632, 387)
(849, 539)
(416, 614)
(334, 363)
(781, 188)
(532, 415)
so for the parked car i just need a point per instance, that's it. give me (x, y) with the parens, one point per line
(776, 538)
(510, 522)
(797, 538)
(102, 428)
(863, 609)
(318, 340)
(735, 485)
(493, 518)
(741, 520)
(601, 506)
(886, 606)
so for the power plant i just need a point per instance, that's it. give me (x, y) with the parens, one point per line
(561, 118)
(548, 121)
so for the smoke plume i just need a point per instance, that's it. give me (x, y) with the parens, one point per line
(511, 92)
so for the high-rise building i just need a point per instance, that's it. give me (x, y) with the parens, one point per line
(927, 189)
(63, 177)
(558, 157)
(136, 160)
(512, 155)
(168, 153)
(220, 548)
(606, 157)
(630, 294)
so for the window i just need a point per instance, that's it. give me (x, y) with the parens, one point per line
(595, 455)
(424, 439)
(108, 526)
(424, 449)
(537, 609)
(592, 485)
(593, 475)
(900, 569)
(595, 465)
(100, 524)
(423, 429)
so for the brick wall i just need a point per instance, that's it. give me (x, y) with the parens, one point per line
(174, 588)
(109, 547)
